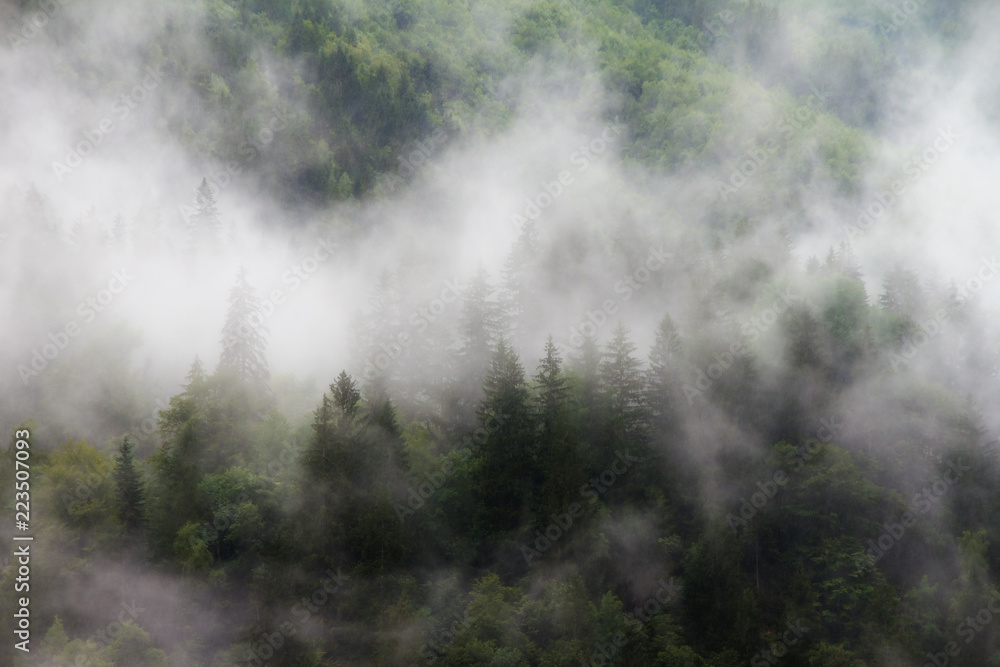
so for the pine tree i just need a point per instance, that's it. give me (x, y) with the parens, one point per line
(479, 330)
(518, 299)
(506, 463)
(586, 364)
(205, 225)
(377, 333)
(480, 320)
(803, 333)
(552, 391)
(622, 378)
(902, 293)
(196, 374)
(346, 395)
(39, 220)
(130, 498)
(663, 377)
(560, 471)
(244, 338)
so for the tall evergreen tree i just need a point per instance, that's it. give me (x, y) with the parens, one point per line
(552, 390)
(130, 505)
(560, 471)
(518, 298)
(479, 330)
(346, 395)
(506, 461)
(902, 293)
(480, 323)
(244, 338)
(205, 223)
(622, 378)
(663, 378)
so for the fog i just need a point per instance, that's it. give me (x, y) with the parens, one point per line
(107, 299)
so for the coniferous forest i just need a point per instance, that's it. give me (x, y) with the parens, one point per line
(504, 333)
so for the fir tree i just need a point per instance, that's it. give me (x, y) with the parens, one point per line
(552, 390)
(205, 224)
(130, 505)
(560, 471)
(345, 395)
(518, 300)
(902, 293)
(506, 465)
(480, 320)
(244, 339)
(622, 378)
(662, 377)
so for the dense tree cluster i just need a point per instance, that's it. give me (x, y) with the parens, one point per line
(775, 461)
(590, 508)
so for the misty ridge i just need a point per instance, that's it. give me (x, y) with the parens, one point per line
(660, 332)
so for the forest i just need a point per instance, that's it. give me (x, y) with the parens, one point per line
(520, 333)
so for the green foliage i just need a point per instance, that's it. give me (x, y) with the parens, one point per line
(129, 490)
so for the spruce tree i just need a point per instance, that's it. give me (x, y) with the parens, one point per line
(622, 378)
(480, 323)
(518, 299)
(506, 462)
(130, 505)
(205, 224)
(663, 378)
(244, 338)
(902, 293)
(346, 395)
(560, 471)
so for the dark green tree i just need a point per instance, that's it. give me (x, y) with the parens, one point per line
(130, 497)
(622, 378)
(561, 472)
(664, 379)
(506, 462)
